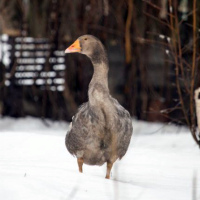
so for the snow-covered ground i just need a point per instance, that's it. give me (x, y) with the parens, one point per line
(162, 163)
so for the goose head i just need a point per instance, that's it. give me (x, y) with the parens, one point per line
(90, 46)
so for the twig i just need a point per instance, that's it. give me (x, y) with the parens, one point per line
(190, 13)
(192, 126)
(180, 50)
(160, 21)
(157, 7)
(177, 69)
(127, 32)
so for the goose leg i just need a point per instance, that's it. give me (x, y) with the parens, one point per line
(109, 167)
(80, 164)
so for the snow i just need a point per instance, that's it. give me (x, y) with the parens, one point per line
(162, 163)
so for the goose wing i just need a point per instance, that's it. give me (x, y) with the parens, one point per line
(124, 128)
(82, 130)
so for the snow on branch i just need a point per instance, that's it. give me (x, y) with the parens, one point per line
(197, 102)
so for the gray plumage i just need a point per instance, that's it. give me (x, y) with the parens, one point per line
(101, 130)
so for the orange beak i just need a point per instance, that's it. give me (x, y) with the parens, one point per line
(75, 47)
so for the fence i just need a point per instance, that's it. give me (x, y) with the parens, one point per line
(34, 63)
(30, 64)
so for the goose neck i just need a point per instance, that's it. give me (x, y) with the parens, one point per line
(100, 74)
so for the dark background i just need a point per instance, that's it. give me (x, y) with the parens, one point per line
(152, 46)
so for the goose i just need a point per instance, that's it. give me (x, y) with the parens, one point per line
(101, 130)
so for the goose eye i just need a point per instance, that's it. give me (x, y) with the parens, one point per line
(85, 39)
